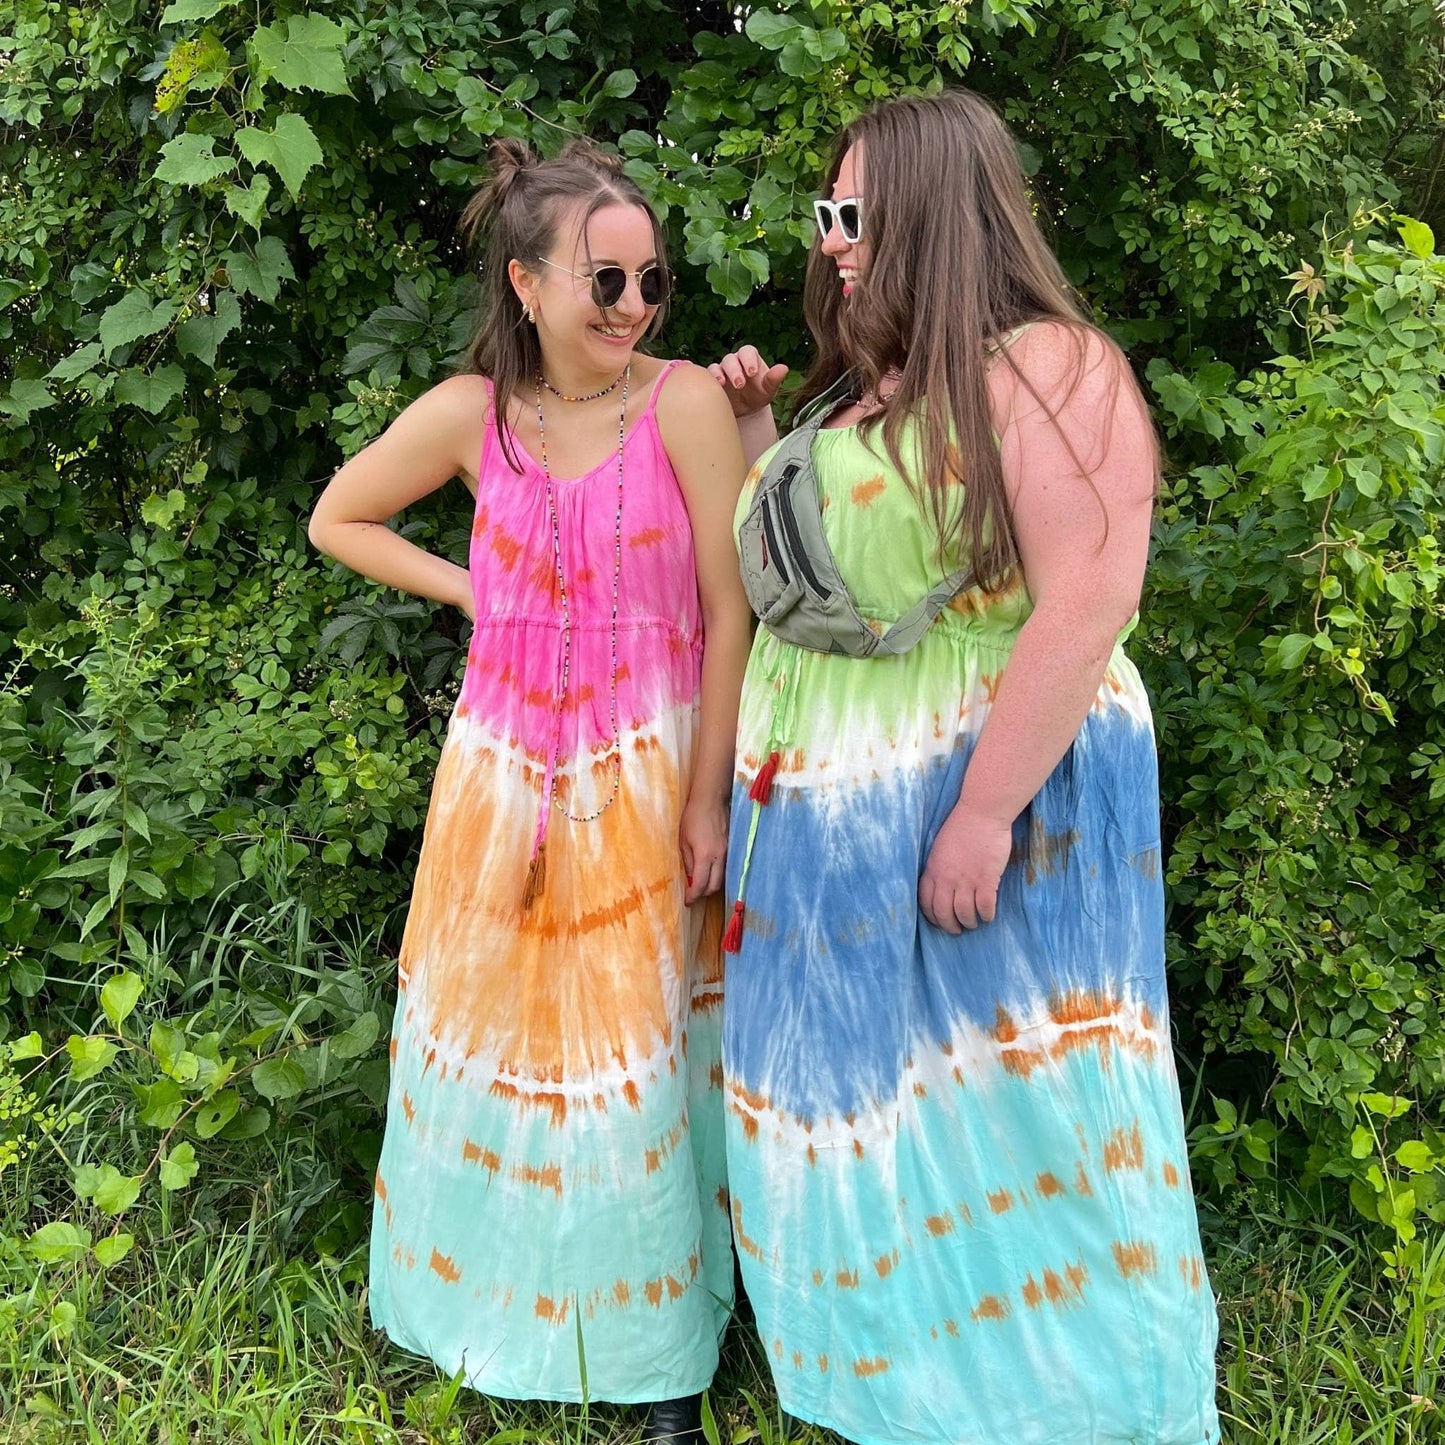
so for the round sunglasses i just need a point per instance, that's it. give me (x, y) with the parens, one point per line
(609, 282)
(846, 214)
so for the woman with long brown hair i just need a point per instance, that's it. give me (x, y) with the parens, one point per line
(550, 1216)
(955, 1144)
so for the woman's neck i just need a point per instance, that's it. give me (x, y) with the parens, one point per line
(567, 376)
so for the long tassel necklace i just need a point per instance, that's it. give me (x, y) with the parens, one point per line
(537, 867)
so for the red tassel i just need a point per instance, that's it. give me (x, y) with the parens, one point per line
(536, 878)
(732, 940)
(762, 788)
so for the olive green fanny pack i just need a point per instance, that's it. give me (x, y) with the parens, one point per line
(789, 572)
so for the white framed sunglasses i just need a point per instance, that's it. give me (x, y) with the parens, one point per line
(846, 214)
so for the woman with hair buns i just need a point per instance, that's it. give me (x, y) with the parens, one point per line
(956, 1154)
(550, 1213)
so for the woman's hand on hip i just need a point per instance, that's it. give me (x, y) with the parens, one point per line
(703, 838)
(959, 886)
(750, 383)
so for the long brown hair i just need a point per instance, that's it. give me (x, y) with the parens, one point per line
(515, 216)
(956, 262)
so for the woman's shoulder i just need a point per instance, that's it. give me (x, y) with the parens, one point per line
(687, 396)
(1052, 344)
(466, 394)
(1053, 359)
(458, 406)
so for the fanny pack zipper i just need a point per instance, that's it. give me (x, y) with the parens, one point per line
(795, 540)
(775, 552)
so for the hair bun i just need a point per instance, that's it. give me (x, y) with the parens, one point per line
(508, 160)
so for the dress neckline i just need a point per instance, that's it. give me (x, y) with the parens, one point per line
(649, 412)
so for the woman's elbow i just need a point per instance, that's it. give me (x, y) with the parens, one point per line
(316, 533)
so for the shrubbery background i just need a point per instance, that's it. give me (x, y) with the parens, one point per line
(226, 261)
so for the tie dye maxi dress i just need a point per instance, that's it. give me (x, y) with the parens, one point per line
(550, 1193)
(957, 1165)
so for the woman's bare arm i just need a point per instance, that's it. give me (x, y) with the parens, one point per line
(439, 436)
(702, 442)
(1083, 541)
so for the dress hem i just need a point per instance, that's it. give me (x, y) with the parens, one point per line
(823, 1423)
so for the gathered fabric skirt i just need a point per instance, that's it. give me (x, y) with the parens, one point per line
(958, 1166)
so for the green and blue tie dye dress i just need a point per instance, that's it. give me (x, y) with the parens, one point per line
(957, 1164)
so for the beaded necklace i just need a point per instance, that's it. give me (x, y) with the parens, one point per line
(593, 396)
(537, 868)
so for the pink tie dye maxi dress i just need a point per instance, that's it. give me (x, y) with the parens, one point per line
(550, 1214)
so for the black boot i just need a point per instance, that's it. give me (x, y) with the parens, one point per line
(674, 1422)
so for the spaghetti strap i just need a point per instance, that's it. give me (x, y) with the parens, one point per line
(1002, 343)
(657, 385)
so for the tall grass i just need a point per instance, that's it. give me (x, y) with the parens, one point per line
(240, 1316)
(232, 1338)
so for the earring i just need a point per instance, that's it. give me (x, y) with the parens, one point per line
(532, 314)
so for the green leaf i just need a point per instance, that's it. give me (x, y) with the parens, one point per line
(115, 1192)
(25, 397)
(1419, 239)
(249, 202)
(731, 279)
(797, 58)
(161, 1103)
(88, 1056)
(280, 1078)
(290, 148)
(179, 1167)
(620, 83)
(215, 1114)
(163, 508)
(98, 911)
(181, 10)
(119, 867)
(1416, 1156)
(112, 1249)
(63, 1319)
(1293, 649)
(1391, 1106)
(302, 54)
(260, 275)
(167, 1044)
(770, 30)
(119, 996)
(357, 1037)
(133, 317)
(136, 820)
(58, 1243)
(249, 1124)
(188, 62)
(28, 1047)
(756, 264)
(201, 335)
(26, 976)
(151, 391)
(188, 160)
(77, 363)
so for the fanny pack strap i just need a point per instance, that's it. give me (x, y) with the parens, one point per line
(908, 630)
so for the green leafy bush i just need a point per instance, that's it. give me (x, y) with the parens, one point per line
(227, 260)
(1299, 662)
